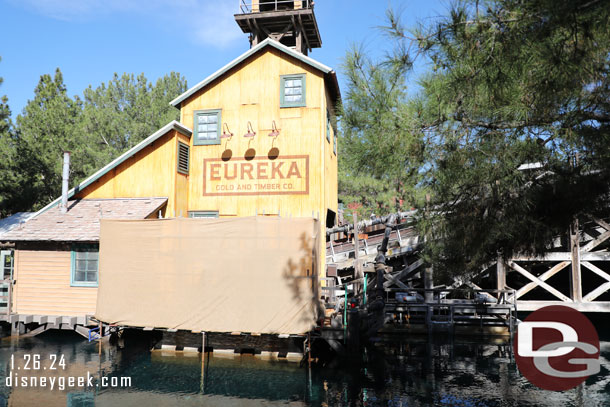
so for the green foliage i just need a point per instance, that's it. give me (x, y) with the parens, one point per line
(45, 129)
(510, 83)
(514, 83)
(7, 179)
(126, 110)
(380, 156)
(108, 121)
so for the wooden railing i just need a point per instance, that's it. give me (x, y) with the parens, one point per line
(256, 6)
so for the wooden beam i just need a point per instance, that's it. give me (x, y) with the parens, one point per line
(566, 256)
(393, 280)
(596, 270)
(544, 276)
(541, 283)
(575, 276)
(597, 306)
(597, 292)
(596, 242)
(406, 272)
(500, 274)
(303, 34)
(602, 223)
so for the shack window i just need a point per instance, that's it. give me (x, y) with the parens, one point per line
(183, 158)
(203, 214)
(207, 127)
(292, 90)
(85, 261)
(6, 262)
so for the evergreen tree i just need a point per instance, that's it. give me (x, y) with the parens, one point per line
(45, 129)
(126, 110)
(7, 155)
(381, 156)
(513, 83)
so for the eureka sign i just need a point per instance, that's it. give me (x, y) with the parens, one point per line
(285, 175)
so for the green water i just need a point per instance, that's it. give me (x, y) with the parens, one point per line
(420, 372)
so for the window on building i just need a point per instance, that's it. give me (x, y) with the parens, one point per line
(335, 145)
(292, 90)
(203, 214)
(183, 158)
(6, 262)
(85, 261)
(328, 126)
(207, 127)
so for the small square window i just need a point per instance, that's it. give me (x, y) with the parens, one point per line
(292, 90)
(206, 128)
(85, 263)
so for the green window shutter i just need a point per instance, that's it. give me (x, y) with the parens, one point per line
(206, 129)
(183, 158)
(292, 90)
(203, 214)
(85, 264)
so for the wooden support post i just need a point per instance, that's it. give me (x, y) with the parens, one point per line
(101, 332)
(428, 284)
(575, 280)
(357, 266)
(202, 384)
(500, 275)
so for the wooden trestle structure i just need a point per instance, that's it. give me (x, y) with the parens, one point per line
(575, 273)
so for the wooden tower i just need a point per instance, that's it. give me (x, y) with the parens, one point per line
(290, 22)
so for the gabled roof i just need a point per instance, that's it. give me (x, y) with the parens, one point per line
(173, 125)
(11, 222)
(328, 72)
(82, 221)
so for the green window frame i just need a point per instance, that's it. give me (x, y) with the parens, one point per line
(206, 127)
(203, 214)
(328, 126)
(293, 90)
(183, 158)
(85, 265)
(335, 145)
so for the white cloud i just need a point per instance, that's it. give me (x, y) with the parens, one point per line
(207, 22)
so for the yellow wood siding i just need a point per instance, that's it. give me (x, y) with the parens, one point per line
(330, 162)
(149, 173)
(43, 285)
(251, 93)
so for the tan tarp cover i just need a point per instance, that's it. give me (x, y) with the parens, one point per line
(216, 275)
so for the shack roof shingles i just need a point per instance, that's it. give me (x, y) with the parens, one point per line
(82, 221)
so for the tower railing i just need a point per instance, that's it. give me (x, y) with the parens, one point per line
(257, 6)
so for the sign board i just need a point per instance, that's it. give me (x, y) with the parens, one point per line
(285, 175)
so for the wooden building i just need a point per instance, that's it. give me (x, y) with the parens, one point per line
(255, 138)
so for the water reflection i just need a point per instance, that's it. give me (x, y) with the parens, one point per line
(418, 372)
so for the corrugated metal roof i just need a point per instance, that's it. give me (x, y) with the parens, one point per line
(82, 221)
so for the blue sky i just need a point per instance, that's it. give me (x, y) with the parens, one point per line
(89, 40)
